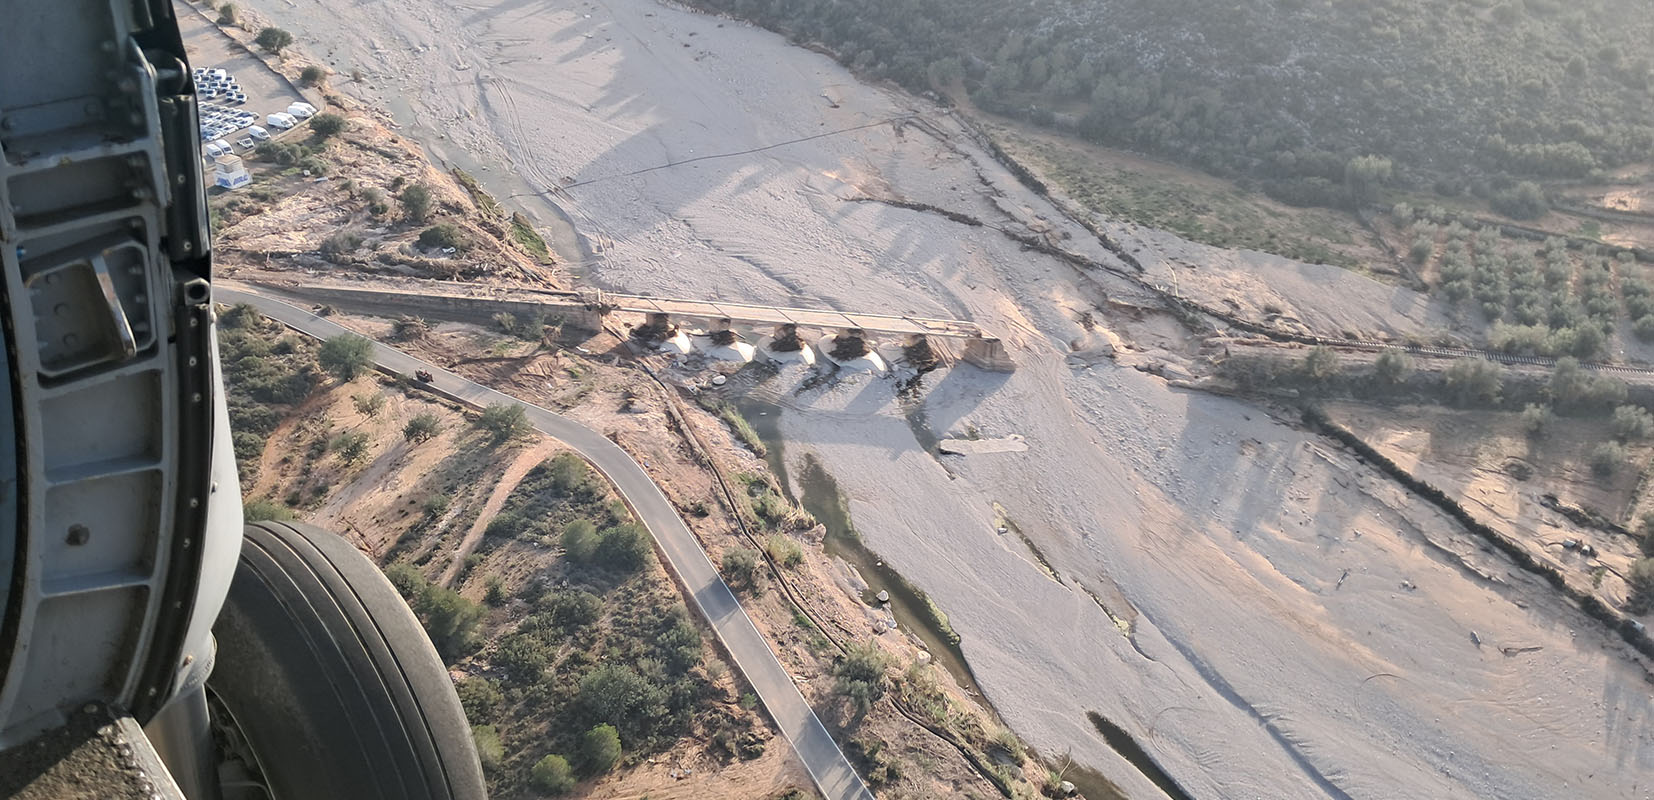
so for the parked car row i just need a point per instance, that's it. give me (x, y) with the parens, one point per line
(290, 117)
(221, 147)
(218, 121)
(213, 84)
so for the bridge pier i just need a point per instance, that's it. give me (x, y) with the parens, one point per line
(588, 317)
(918, 353)
(722, 333)
(988, 354)
(849, 344)
(785, 339)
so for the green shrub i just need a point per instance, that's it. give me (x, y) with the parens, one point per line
(569, 473)
(261, 510)
(310, 76)
(599, 750)
(1607, 458)
(741, 566)
(1321, 363)
(351, 446)
(450, 619)
(580, 540)
(1525, 200)
(408, 580)
(1392, 367)
(421, 428)
(571, 610)
(784, 551)
(552, 775)
(417, 202)
(859, 677)
(507, 525)
(368, 405)
(1537, 419)
(1632, 422)
(1474, 382)
(618, 695)
(436, 505)
(523, 656)
(625, 547)
(480, 697)
(1421, 251)
(1573, 391)
(273, 39)
(489, 750)
(346, 355)
(327, 124)
(445, 234)
(1641, 584)
(283, 153)
(505, 421)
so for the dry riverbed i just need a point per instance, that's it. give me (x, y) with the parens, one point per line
(1231, 589)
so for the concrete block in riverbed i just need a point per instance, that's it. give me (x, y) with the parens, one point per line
(988, 354)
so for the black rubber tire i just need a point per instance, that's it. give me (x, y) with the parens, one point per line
(331, 679)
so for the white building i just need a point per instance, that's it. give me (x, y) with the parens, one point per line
(229, 172)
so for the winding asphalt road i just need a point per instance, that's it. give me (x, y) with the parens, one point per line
(826, 763)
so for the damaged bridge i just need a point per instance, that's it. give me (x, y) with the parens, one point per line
(594, 310)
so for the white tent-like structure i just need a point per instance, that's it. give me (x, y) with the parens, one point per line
(229, 172)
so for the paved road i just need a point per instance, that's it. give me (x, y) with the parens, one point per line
(826, 763)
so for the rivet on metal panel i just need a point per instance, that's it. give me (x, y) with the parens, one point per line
(78, 535)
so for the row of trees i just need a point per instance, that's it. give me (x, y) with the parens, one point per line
(1476, 383)
(1537, 301)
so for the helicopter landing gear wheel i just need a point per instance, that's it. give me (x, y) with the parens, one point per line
(332, 681)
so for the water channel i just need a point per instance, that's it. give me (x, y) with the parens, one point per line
(819, 494)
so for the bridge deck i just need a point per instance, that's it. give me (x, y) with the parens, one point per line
(806, 317)
(639, 304)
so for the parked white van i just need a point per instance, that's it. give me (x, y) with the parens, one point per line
(214, 150)
(280, 120)
(258, 133)
(302, 110)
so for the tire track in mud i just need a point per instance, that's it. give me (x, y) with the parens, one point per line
(539, 183)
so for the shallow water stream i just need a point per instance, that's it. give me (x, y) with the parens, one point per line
(819, 494)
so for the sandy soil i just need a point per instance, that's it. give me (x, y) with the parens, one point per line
(1256, 666)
